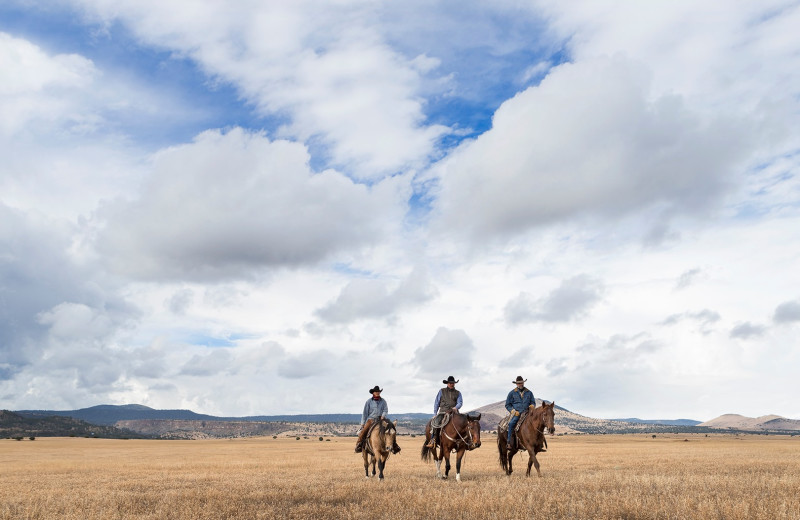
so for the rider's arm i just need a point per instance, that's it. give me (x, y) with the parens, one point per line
(383, 408)
(365, 413)
(459, 402)
(509, 402)
(436, 402)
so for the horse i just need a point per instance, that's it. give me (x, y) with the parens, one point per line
(530, 436)
(378, 446)
(462, 432)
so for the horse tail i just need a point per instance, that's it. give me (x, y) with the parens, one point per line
(425, 454)
(501, 449)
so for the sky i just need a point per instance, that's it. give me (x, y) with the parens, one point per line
(267, 207)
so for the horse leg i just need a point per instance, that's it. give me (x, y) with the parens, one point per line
(373, 464)
(532, 460)
(366, 462)
(510, 458)
(437, 457)
(381, 465)
(459, 456)
(446, 462)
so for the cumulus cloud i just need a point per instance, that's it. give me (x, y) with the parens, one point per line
(747, 330)
(214, 363)
(332, 73)
(232, 202)
(307, 364)
(556, 151)
(705, 317)
(572, 300)
(787, 312)
(687, 278)
(450, 350)
(35, 84)
(361, 299)
(45, 294)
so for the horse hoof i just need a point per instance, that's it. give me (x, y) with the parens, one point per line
(458, 478)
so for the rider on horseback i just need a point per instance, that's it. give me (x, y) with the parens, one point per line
(374, 408)
(447, 400)
(517, 402)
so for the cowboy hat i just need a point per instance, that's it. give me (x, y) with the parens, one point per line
(450, 379)
(376, 389)
(519, 380)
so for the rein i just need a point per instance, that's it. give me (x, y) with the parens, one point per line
(468, 442)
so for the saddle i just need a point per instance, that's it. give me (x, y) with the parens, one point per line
(503, 425)
(441, 419)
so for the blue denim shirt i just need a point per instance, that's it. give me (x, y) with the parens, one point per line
(519, 400)
(374, 409)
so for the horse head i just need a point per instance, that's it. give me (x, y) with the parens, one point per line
(474, 427)
(549, 417)
(389, 430)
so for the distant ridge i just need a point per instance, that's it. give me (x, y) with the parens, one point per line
(16, 425)
(188, 424)
(669, 422)
(765, 422)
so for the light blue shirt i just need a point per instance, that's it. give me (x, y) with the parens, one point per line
(374, 409)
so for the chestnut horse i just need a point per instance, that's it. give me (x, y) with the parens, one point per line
(461, 433)
(530, 437)
(378, 446)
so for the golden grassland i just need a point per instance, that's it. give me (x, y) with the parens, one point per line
(603, 477)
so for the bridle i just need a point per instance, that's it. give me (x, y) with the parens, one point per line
(469, 443)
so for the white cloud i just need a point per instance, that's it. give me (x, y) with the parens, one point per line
(787, 312)
(230, 203)
(571, 300)
(369, 298)
(449, 351)
(331, 72)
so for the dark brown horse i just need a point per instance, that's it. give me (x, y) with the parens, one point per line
(530, 437)
(378, 445)
(462, 432)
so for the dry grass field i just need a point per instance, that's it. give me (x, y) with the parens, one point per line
(620, 477)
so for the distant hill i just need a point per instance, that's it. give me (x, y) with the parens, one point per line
(571, 423)
(188, 424)
(668, 422)
(107, 414)
(765, 422)
(15, 425)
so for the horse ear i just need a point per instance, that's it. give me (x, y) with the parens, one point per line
(395, 423)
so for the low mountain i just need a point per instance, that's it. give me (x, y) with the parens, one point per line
(570, 422)
(732, 421)
(16, 425)
(668, 422)
(107, 414)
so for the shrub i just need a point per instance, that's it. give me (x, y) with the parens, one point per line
(18, 438)
(274, 436)
(297, 438)
(32, 438)
(320, 439)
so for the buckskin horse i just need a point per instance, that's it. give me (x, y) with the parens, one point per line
(462, 432)
(378, 445)
(530, 437)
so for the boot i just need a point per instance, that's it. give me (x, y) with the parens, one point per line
(431, 443)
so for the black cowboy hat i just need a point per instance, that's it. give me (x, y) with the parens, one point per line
(376, 389)
(520, 380)
(450, 379)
